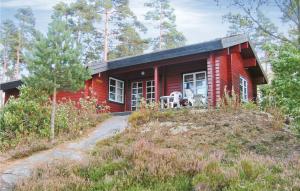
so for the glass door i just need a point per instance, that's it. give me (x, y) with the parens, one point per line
(136, 95)
(195, 84)
(150, 91)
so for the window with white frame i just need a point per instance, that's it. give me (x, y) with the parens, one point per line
(150, 91)
(195, 84)
(243, 89)
(116, 90)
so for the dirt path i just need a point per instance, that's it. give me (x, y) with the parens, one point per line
(73, 151)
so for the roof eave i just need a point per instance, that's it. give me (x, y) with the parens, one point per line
(258, 62)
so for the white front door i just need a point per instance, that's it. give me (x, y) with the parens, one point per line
(136, 95)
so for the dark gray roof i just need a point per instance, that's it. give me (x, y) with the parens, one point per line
(10, 85)
(97, 67)
(203, 47)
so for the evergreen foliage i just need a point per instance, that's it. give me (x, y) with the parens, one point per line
(54, 64)
(161, 14)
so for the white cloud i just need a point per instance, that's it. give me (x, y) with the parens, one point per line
(34, 4)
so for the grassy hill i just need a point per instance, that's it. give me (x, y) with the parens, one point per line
(186, 150)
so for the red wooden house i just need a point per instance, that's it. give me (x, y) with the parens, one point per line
(205, 68)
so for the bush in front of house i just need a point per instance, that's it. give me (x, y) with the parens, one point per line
(25, 116)
(25, 121)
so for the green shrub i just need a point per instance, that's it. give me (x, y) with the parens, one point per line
(24, 117)
(250, 105)
(27, 118)
(139, 117)
(248, 170)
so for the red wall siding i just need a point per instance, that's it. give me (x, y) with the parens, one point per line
(173, 74)
(223, 73)
(100, 88)
(12, 92)
(65, 95)
(237, 67)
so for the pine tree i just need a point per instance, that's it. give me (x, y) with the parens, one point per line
(8, 40)
(120, 29)
(25, 36)
(54, 64)
(163, 17)
(129, 43)
(81, 17)
(256, 24)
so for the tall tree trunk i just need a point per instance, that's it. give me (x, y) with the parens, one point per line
(17, 66)
(105, 52)
(3, 74)
(160, 28)
(4, 67)
(53, 111)
(298, 19)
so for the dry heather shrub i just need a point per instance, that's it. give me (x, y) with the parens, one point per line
(277, 117)
(28, 147)
(163, 162)
(230, 102)
(156, 161)
(53, 177)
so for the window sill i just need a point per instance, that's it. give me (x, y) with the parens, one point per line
(115, 102)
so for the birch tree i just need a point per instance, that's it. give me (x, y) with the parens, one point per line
(161, 14)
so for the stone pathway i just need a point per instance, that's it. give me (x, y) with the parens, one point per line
(76, 151)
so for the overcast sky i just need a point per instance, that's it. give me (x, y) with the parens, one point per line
(199, 20)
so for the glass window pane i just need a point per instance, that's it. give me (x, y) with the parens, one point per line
(188, 78)
(133, 97)
(121, 92)
(190, 86)
(200, 76)
(119, 84)
(112, 82)
(112, 89)
(112, 96)
(119, 98)
(201, 87)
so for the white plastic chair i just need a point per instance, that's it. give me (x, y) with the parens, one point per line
(190, 96)
(177, 96)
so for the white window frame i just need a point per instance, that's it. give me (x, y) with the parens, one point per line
(194, 77)
(244, 91)
(116, 90)
(152, 86)
(137, 101)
